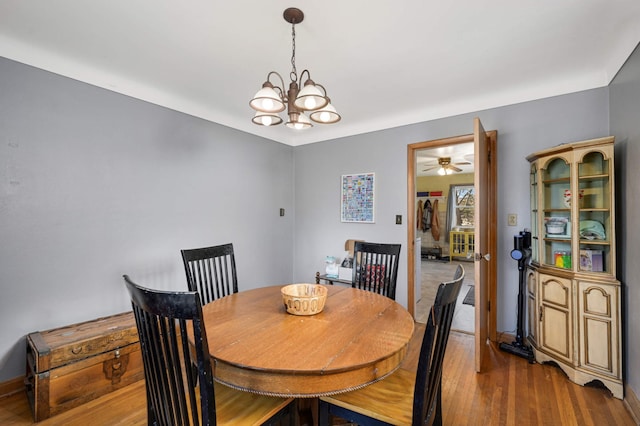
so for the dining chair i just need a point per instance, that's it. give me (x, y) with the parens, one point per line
(405, 397)
(376, 267)
(178, 375)
(211, 271)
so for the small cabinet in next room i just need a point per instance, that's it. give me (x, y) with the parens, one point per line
(461, 244)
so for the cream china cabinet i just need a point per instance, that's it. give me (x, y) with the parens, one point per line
(573, 297)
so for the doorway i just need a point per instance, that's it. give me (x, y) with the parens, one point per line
(487, 325)
(445, 195)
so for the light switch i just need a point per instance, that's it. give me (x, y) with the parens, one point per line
(398, 219)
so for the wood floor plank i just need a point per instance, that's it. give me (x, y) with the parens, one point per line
(534, 400)
(512, 391)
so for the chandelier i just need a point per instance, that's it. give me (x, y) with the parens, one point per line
(311, 99)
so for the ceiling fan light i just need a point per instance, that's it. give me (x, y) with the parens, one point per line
(310, 98)
(266, 119)
(298, 121)
(442, 171)
(326, 115)
(267, 100)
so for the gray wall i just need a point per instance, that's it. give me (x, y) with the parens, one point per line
(522, 129)
(96, 184)
(625, 126)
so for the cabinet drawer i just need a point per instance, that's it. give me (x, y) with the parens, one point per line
(555, 290)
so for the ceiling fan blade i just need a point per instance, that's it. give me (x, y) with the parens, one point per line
(427, 155)
(462, 163)
(454, 168)
(430, 168)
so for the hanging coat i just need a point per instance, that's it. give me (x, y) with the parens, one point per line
(419, 215)
(435, 225)
(426, 216)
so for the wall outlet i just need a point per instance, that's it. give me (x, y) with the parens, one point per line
(512, 219)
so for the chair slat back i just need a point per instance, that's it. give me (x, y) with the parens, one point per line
(211, 271)
(376, 267)
(429, 374)
(179, 379)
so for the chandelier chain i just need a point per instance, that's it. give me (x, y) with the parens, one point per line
(294, 71)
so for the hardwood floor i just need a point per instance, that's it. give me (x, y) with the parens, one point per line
(511, 392)
(434, 272)
(516, 392)
(127, 406)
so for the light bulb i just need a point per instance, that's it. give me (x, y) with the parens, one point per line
(325, 116)
(267, 104)
(267, 120)
(442, 171)
(310, 103)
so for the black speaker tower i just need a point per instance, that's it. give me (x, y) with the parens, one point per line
(522, 253)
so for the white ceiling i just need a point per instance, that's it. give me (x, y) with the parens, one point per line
(384, 63)
(461, 156)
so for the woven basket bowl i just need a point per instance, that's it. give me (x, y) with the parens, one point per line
(304, 299)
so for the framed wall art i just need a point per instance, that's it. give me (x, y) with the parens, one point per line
(357, 202)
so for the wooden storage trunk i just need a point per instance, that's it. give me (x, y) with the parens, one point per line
(71, 365)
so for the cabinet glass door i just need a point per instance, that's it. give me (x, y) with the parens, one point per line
(533, 199)
(594, 213)
(556, 210)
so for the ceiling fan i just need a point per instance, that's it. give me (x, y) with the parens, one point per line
(446, 167)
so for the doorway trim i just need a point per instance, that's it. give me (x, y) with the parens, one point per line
(492, 234)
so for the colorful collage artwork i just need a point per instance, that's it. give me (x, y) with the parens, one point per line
(357, 198)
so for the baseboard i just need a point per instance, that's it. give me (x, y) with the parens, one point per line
(11, 386)
(631, 403)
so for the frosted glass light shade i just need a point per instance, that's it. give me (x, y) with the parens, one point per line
(266, 119)
(310, 98)
(326, 115)
(267, 100)
(301, 123)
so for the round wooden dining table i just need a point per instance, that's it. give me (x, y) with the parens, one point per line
(359, 338)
